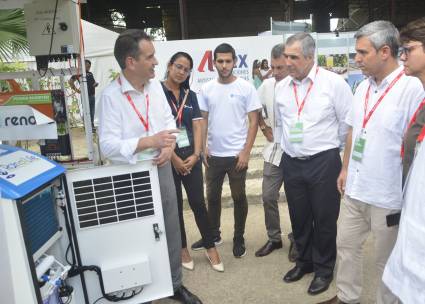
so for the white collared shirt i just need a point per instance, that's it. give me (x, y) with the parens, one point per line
(377, 179)
(119, 125)
(228, 106)
(272, 151)
(404, 273)
(323, 116)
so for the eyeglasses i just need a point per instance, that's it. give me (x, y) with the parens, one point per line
(406, 50)
(182, 68)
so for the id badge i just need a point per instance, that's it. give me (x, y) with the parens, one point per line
(182, 139)
(296, 132)
(359, 146)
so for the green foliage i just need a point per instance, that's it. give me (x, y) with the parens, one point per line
(12, 34)
(14, 67)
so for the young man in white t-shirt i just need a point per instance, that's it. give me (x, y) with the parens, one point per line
(230, 107)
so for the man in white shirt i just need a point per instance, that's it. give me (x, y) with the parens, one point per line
(135, 123)
(312, 105)
(230, 107)
(404, 272)
(371, 175)
(272, 152)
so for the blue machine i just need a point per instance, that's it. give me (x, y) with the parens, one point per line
(29, 223)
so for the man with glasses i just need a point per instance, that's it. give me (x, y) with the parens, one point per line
(230, 107)
(371, 175)
(404, 273)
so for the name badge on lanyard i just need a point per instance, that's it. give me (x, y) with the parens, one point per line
(359, 146)
(296, 132)
(296, 129)
(360, 141)
(182, 139)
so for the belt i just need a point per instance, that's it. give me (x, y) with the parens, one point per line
(310, 157)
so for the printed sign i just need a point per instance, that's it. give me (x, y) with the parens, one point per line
(20, 166)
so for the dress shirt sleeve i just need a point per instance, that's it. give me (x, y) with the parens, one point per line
(278, 131)
(112, 145)
(262, 96)
(343, 102)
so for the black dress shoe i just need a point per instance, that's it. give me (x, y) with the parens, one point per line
(319, 285)
(268, 248)
(185, 296)
(295, 274)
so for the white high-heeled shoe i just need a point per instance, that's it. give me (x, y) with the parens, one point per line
(189, 265)
(217, 267)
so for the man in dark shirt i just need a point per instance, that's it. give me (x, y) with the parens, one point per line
(91, 87)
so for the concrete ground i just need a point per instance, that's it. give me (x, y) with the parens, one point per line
(252, 280)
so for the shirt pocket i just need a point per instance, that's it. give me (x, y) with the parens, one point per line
(393, 121)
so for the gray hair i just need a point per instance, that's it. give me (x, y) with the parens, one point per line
(277, 50)
(307, 43)
(381, 33)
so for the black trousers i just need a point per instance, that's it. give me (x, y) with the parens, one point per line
(218, 168)
(314, 201)
(194, 185)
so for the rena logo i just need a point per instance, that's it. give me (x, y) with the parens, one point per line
(19, 121)
(208, 59)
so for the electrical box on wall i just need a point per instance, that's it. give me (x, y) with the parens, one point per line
(39, 18)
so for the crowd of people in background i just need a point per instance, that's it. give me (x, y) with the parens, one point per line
(308, 116)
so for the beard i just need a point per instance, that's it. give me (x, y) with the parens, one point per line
(225, 75)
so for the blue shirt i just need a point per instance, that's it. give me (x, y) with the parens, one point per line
(190, 111)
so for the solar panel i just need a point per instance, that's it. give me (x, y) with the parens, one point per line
(112, 199)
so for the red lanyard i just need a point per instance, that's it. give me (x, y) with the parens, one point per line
(145, 123)
(179, 111)
(421, 135)
(369, 115)
(301, 107)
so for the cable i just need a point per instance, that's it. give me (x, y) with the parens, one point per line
(51, 38)
(98, 300)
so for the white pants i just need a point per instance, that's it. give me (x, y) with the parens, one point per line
(357, 220)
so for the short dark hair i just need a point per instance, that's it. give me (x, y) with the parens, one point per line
(224, 48)
(87, 61)
(127, 45)
(414, 31)
(185, 84)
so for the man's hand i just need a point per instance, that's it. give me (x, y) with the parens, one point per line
(342, 179)
(163, 157)
(243, 158)
(164, 139)
(179, 165)
(268, 133)
(190, 162)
